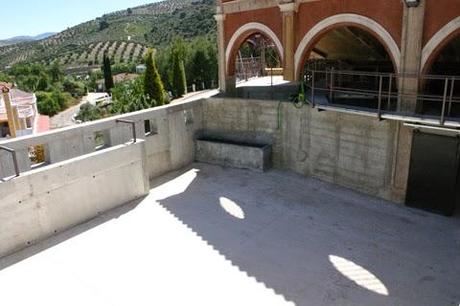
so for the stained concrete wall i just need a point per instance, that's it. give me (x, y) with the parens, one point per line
(51, 199)
(349, 150)
(233, 155)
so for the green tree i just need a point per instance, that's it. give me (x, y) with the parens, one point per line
(129, 97)
(153, 86)
(46, 104)
(4, 77)
(199, 67)
(103, 24)
(43, 82)
(107, 69)
(55, 72)
(179, 81)
(201, 64)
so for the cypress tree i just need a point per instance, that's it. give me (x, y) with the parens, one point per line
(179, 79)
(153, 86)
(108, 78)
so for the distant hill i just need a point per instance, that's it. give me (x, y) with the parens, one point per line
(125, 35)
(20, 39)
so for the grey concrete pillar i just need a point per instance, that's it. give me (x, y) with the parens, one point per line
(411, 54)
(411, 58)
(220, 18)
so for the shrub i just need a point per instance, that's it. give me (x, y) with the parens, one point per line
(89, 112)
(46, 104)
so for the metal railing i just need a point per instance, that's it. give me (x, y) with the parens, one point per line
(430, 95)
(15, 159)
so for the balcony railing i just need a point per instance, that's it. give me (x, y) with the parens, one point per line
(427, 98)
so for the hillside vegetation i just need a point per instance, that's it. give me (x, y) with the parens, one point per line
(126, 35)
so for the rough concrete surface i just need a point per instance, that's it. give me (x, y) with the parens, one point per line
(216, 236)
(233, 155)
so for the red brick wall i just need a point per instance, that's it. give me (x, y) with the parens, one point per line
(388, 13)
(438, 14)
(270, 17)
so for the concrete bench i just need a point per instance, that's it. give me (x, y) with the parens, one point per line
(233, 154)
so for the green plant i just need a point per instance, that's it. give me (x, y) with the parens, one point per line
(89, 112)
(178, 54)
(107, 69)
(130, 97)
(153, 86)
(46, 104)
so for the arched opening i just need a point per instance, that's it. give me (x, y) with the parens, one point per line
(255, 60)
(441, 86)
(352, 67)
(252, 51)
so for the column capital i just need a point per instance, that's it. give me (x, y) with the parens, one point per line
(219, 17)
(288, 7)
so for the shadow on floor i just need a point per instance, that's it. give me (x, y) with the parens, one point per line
(319, 244)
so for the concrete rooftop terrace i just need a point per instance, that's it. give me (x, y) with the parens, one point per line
(208, 235)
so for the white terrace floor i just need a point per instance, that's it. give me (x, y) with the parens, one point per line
(215, 236)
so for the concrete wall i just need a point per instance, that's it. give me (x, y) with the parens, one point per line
(170, 147)
(349, 150)
(233, 154)
(79, 181)
(51, 199)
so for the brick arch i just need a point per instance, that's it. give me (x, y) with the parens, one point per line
(320, 29)
(241, 35)
(438, 42)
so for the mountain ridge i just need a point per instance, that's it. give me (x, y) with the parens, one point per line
(25, 38)
(125, 35)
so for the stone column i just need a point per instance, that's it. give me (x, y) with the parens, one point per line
(289, 9)
(411, 57)
(411, 53)
(9, 113)
(220, 18)
(17, 121)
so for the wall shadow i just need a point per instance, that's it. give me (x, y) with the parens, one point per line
(318, 244)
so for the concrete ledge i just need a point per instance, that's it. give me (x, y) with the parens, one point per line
(48, 200)
(233, 154)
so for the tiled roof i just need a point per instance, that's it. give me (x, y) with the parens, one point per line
(21, 97)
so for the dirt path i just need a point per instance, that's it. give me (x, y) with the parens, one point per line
(64, 118)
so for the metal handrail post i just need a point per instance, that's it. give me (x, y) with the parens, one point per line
(444, 100)
(452, 85)
(379, 107)
(312, 89)
(133, 127)
(15, 159)
(331, 85)
(390, 85)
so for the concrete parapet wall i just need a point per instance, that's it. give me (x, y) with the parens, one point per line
(349, 150)
(50, 199)
(169, 146)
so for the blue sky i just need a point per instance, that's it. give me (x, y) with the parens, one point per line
(32, 17)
